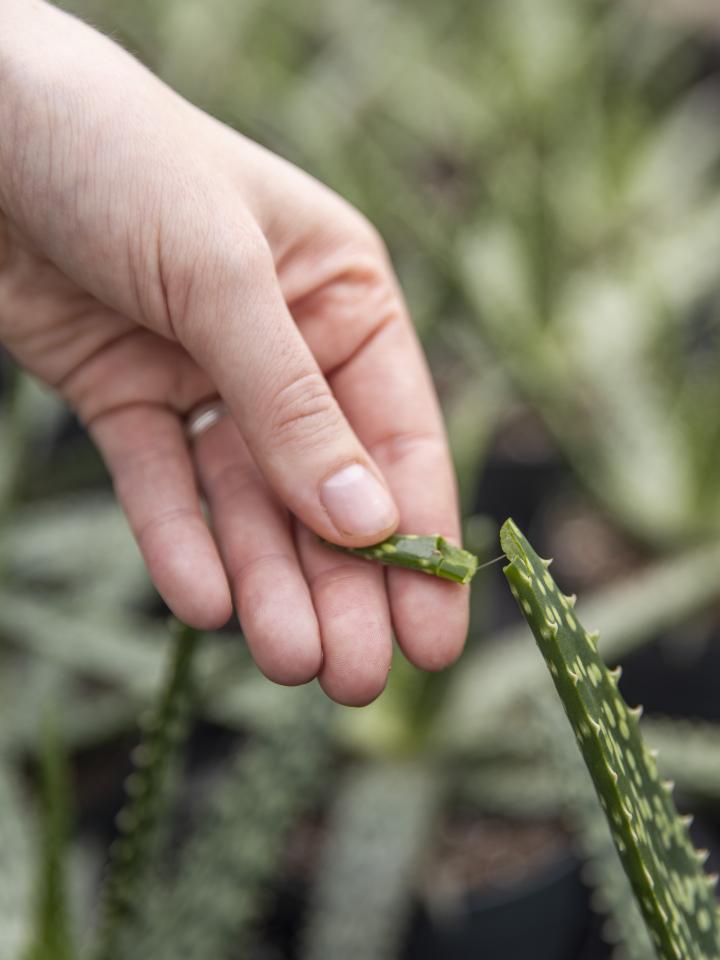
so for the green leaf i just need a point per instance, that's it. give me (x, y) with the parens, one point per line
(689, 754)
(662, 595)
(431, 554)
(141, 821)
(79, 545)
(219, 886)
(52, 937)
(676, 897)
(602, 869)
(377, 834)
(15, 865)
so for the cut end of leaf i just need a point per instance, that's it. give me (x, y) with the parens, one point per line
(511, 541)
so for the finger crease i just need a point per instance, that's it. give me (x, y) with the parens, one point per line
(129, 407)
(388, 320)
(399, 445)
(345, 573)
(230, 481)
(242, 571)
(165, 518)
(64, 384)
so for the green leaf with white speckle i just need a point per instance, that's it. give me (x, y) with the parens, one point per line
(676, 898)
(431, 554)
(141, 821)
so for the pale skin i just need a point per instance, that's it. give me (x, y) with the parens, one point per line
(152, 258)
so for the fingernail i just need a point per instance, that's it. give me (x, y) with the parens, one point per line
(357, 502)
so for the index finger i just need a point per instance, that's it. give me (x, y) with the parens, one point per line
(387, 394)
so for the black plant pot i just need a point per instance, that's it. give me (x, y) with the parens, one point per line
(546, 917)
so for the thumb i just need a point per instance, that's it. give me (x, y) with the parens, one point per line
(237, 326)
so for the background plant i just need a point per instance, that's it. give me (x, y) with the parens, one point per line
(545, 173)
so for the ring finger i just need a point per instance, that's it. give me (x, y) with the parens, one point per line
(254, 536)
(352, 606)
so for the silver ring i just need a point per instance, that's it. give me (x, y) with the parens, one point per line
(203, 417)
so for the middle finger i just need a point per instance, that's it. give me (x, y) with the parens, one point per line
(352, 607)
(253, 532)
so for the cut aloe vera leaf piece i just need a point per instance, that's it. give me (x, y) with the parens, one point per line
(675, 896)
(431, 554)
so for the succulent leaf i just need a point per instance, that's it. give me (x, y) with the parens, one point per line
(141, 821)
(676, 898)
(431, 554)
(689, 753)
(210, 904)
(612, 895)
(16, 872)
(53, 937)
(363, 892)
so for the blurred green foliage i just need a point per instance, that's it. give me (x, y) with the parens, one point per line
(545, 173)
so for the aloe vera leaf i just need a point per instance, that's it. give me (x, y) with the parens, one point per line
(675, 896)
(141, 821)
(665, 594)
(16, 867)
(689, 754)
(603, 872)
(429, 554)
(520, 790)
(377, 833)
(209, 907)
(53, 935)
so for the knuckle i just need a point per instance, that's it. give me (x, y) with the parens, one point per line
(164, 518)
(239, 253)
(146, 466)
(399, 446)
(242, 575)
(342, 574)
(232, 482)
(249, 258)
(303, 413)
(368, 236)
(197, 274)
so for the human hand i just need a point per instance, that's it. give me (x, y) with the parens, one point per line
(151, 259)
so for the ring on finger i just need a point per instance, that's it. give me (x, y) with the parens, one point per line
(203, 417)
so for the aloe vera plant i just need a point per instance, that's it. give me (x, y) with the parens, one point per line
(676, 897)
